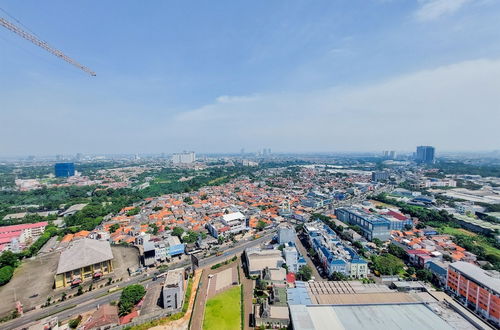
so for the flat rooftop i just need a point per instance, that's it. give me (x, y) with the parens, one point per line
(374, 317)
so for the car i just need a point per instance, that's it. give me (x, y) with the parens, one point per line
(34, 296)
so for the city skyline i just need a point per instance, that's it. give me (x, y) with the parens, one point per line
(297, 77)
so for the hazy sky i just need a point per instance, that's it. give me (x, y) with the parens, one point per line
(217, 76)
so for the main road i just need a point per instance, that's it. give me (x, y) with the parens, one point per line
(90, 300)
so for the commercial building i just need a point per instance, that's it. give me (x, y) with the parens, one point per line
(173, 290)
(16, 237)
(291, 258)
(333, 254)
(478, 289)
(380, 176)
(85, 259)
(286, 234)
(232, 223)
(184, 157)
(368, 316)
(372, 225)
(257, 259)
(64, 170)
(425, 154)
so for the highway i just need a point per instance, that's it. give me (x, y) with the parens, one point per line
(90, 300)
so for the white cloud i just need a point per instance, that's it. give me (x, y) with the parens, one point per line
(433, 9)
(454, 107)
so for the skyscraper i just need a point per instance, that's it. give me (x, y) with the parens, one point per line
(425, 154)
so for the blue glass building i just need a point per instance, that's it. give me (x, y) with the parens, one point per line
(64, 170)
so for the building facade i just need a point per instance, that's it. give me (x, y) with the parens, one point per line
(425, 154)
(476, 288)
(372, 225)
(184, 158)
(64, 170)
(85, 259)
(173, 290)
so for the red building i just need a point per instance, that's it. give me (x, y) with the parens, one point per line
(476, 288)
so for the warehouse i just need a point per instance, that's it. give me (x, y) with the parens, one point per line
(84, 259)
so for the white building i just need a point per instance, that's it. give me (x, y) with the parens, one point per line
(184, 157)
(291, 259)
(236, 222)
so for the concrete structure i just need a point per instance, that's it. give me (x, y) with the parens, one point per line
(286, 234)
(85, 259)
(16, 237)
(184, 157)
(232, 223)
(380, 176)
(368, 316)
(476, 288)
(64, 170)
(425, 154)
(257, 259)
(372, 225)
(291, 258)
(173, 290)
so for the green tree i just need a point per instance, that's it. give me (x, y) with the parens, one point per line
(304, 273)
(396, 251)
(6, 273)
(387, 264)
(131, 295)
(377, 242)
(114, 228)
(261, 225)
(134, 211)
(424, 275)
(8, 258)
(178, 231)
(337, 276)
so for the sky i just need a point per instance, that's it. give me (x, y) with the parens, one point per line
(218, 76)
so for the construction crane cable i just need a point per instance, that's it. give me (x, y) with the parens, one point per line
(20, 23)
(37, 41)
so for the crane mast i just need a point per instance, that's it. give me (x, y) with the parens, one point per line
(8, 25)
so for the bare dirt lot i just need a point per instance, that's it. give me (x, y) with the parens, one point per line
(33, 277)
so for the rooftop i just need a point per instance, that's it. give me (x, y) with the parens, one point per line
(477, 274)
(84, 252)
(374, 317)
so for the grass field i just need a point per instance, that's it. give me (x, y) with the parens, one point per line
(223, 311)
(456, 231)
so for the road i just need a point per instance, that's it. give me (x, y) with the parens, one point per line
(90, 300)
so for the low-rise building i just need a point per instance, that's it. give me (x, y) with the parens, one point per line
(18, 236)
(476, 288)
(335, 257)
(372, 225)
(173, 290)
(84, 259)
(286, 234)
(257, 259)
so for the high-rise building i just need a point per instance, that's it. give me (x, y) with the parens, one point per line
(64, 170)
(425, 154)
(184, 157)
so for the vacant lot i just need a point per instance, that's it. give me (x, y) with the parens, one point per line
(33, 280)
(124, 257)
(33, 277)
(223, 311)
(456, 231)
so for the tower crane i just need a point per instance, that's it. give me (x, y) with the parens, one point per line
(28, 36)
